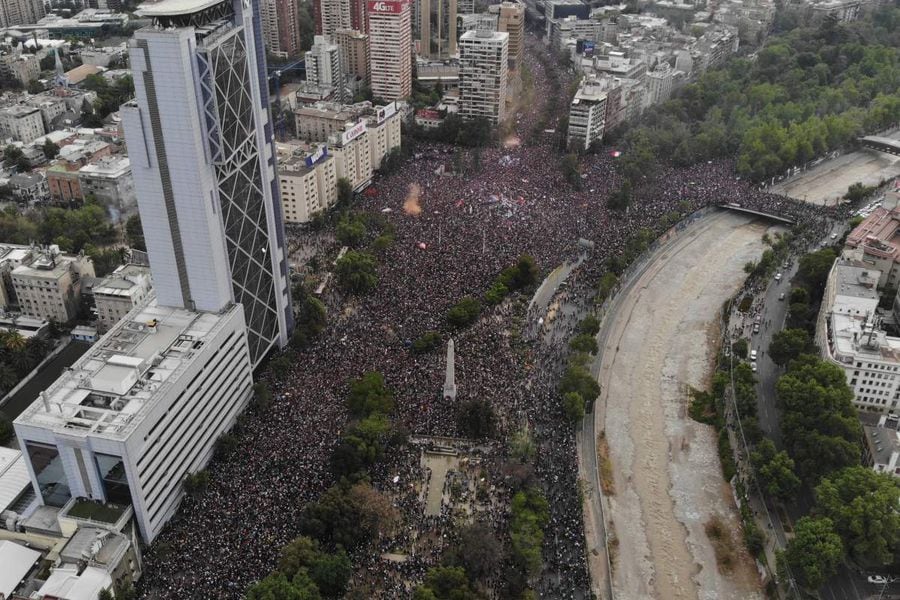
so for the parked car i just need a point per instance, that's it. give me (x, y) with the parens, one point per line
(777, 276)
(753, 366)
(781, 296)
(756, 328)
(753, 355)
(878, 579)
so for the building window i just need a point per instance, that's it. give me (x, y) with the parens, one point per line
(51, 477)
(115, 481)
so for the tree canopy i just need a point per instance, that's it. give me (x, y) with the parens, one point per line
(809, 91)
(865, 509)
(356, 272)
(815, 551)
(819, 424)
(788, 344)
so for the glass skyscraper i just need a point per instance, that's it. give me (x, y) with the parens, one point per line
(199, 136)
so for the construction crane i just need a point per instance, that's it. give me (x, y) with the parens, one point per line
(275, 73)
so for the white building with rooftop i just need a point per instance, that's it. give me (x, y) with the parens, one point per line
(139, 411)
(849, 335)
(118, 293)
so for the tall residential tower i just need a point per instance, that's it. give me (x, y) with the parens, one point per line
(483, 72)
(199, 137)
(390, 48)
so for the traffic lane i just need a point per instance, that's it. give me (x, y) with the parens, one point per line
(845, 585)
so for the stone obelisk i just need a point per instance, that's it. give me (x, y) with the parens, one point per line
(450, 379)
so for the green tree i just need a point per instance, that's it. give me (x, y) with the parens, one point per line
(528, 517)
(814, 268)
(6, 430)
(426, 342)
(356, 272)
(571, 170)
(477, 550)
(50, 149)
(476, 419)
(344, 192)
(788, 344)
(578, 379)
(362, 446)
(815, 551)
(775, 470)
(740, 348)
(865, 509)
(464, 313)
(369, 395)
(134, 233)
(819, 424)
(349, 516)
(311, 317)
(277, 587)
(196, 483)
(351, 231)
(584, 343)
(445, 583)
(573, 405)
(590, 325)
(621, 198)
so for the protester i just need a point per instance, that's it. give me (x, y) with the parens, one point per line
(464, 232)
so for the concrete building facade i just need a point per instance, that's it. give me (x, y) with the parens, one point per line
(390, 48)
(437, 28)
(587, 115)
(483, 74)
(49, 285)
(119, 293)
(354, 49)
(511, 20)
(21, 123)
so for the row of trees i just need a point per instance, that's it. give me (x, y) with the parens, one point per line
(522, 275)
(856, 515)
(809, 91)
(18, 356)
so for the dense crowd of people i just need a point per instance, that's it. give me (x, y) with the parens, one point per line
(464, 231)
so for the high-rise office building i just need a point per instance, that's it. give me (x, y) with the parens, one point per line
(437, 28)
(390, 48)
(199, 137)
(21, 12)
(354, 48)
(280, 25)
(512, 21)
(331, 15)
(483, 72)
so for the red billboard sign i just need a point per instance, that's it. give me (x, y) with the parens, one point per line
(385, 6)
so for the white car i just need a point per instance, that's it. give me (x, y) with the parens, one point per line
(878, 579)
(753, 366)
(753, 355)
(834, 236)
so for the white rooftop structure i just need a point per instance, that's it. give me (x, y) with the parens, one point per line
(850, 335)
(174, 7)
(13, 477)
(109, 389)
(17, 561)
(139, 411)
(65, 582)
